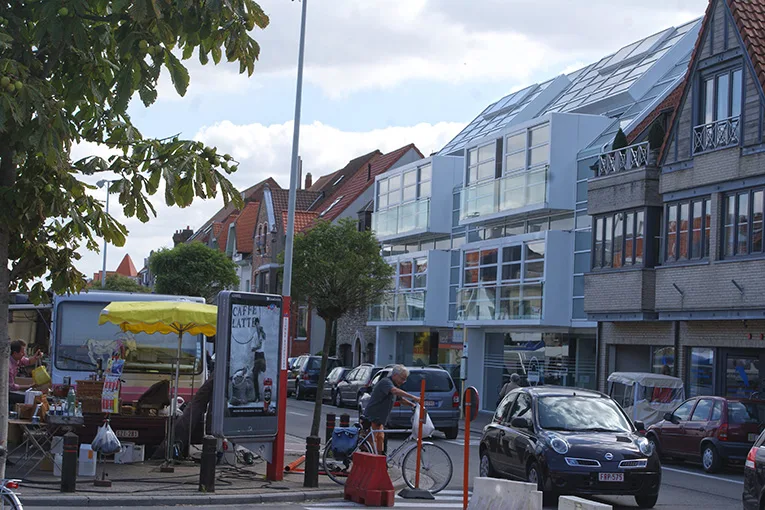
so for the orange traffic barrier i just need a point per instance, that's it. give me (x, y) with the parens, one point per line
(294, 464)
(369, 483)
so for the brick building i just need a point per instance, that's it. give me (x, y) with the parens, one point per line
(678, 262)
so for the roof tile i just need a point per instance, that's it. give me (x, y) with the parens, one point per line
(245, 227)
(126, 267)
(749, 16)
(303, 220)
(223, 236)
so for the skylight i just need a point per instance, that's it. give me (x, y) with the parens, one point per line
(338, 181)
(333, 204)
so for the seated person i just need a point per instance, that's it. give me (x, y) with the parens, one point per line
(16, 395)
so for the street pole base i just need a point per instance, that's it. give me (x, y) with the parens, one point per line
(408, 493)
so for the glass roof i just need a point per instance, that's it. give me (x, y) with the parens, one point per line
(605, 79)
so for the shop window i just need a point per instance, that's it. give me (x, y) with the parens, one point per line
(742, 376)
(701, 373)
(743, 227)
(663, 360)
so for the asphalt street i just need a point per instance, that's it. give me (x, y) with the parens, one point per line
(684, 486)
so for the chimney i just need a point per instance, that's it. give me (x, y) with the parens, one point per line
(300, 171)
(308, 180)
(369, 171)
(181, 236)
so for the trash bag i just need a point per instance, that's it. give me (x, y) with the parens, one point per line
(106, 441)
(427, 427)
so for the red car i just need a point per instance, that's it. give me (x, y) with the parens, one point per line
(712, 430)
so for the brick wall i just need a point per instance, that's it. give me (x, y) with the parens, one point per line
(712, 168)
(623, 190)
(354, 325)
(619, 291)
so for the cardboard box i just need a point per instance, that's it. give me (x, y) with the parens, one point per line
(125, 455)
(139, 451)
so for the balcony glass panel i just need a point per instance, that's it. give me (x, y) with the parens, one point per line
(402, 218)
(521, 301)
(513, 191)
(399, 307)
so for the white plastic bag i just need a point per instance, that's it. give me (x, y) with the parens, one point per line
(106, 441)
(427, 427)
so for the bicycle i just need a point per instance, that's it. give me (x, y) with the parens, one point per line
(436, 467)
(8, 499)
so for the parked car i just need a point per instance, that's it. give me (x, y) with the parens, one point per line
(713, 430)
(335, 377)
(754, 475)
(355, 384)
(307, 374)
(570, 441)
(442, 399)
(292, 372)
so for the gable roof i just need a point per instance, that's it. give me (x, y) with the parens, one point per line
(126, 267)
(359, 182)
(245, 227)
(223, 236)
(303, 220)
(749, 16)
(669, 104)
(303, 199)
(329, 183)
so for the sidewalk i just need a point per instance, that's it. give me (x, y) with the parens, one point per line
(143, 484)
(477, 425)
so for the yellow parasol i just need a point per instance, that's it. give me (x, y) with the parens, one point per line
(163, 317)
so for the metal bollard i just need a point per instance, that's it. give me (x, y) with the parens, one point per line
(207, 464)
(312, 444)
(69, 462)
(345, 420)
(330, 427)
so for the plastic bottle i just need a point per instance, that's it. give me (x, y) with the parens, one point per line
(70, 402)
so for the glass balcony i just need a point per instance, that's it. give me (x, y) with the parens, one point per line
(399, 307)
(513, 191)
(402, 218)
(519, 301)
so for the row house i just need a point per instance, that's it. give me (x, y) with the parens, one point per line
(678, 260)
(490, 238)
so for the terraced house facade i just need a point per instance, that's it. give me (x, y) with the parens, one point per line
(678, 266)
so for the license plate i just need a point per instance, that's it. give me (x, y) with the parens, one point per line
(430, 403)
(127, 434)
(752, 437)
(611, 477)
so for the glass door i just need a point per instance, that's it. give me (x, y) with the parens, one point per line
(741, 374)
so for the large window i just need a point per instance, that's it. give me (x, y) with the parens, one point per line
(482, 163)
(619, 240)
(721, 96)
(743, 223)
(701, 373)
(687, 229)
(525, 174)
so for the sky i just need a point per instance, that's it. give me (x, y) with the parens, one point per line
(378, 75)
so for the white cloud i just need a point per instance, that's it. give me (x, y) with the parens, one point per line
(263, 151)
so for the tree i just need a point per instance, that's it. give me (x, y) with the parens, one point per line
(656, 135)
(119, 283)
(68, 70)
(620, 140)
(192, 269)
(337, 268)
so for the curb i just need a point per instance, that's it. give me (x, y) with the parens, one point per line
(202, 499)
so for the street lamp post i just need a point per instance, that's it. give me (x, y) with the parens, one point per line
(101, 184)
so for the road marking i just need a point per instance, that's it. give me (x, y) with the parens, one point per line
(702, 475)
(346, 504)
(297, 413)
(473, 442)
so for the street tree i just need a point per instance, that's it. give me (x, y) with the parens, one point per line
(68, 71)
(338, 269)
(192, 269)
(120, 283)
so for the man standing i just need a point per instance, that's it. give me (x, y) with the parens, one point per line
(18, 360)
(381, 402)
(510, 386)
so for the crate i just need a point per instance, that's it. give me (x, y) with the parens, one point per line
(90, 389)
(91, 405)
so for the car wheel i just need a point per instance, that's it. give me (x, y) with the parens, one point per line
(710, 459)
(451, 432)
(338, 399)
(646, 501)
(486, 469)
(533, 475)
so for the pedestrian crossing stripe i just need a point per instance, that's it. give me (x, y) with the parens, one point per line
(444, 499)
(473, 442)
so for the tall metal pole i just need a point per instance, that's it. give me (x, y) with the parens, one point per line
(103, 266)
(275, 469)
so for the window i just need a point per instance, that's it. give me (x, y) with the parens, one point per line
(525, 172)
(683, 412)
(701, 374)
(333, 204)
(716, 411)
(719, 111)
(618, 240)
(687, 228)
(743, 223)
(481, 163)
(302, 322)
(701, 413)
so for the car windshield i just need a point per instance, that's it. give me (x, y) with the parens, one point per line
(315, 364)
(581, 414)
(745, 412)
(435, 380)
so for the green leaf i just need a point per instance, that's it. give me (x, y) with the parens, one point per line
(178, 73)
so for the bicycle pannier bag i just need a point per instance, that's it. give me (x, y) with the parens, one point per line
(344, 440)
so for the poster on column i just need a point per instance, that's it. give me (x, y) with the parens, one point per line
(247, 349)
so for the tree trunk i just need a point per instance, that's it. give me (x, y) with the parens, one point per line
(328, 323)
(7, 178)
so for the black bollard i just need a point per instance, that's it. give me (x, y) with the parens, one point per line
(69, 462)
(311, 478)
(207, 464)
(330, 427)
(345, 420)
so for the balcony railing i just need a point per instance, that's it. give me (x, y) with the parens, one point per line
(399, 307)
(625, 159)
(513, 191)
(402, 218)
(520, 301)
(716, 135)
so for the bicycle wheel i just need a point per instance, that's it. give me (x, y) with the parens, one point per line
(435, 468)
(338, 467)
(9, 500)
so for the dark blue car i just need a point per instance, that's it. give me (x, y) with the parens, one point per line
(307, 374)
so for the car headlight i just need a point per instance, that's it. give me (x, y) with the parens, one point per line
(646, 446)
(558, 444)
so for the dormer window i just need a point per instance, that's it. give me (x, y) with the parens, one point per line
(720, 100)
(333, 204)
